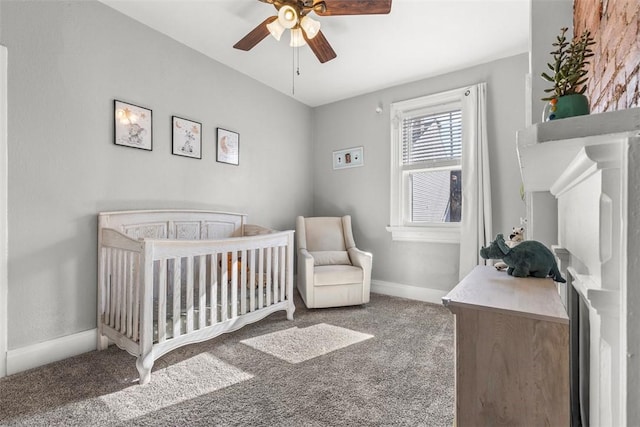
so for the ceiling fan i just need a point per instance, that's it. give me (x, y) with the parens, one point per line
(294, 15)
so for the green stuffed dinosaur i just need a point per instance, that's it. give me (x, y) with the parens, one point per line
(529, 258)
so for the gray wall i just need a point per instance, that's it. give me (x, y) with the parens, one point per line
(547, 17)
(363, 192)
(69, 60)
(67, 63)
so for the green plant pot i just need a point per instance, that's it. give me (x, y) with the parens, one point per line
(567, 106)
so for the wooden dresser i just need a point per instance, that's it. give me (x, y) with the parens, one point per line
(512, 351)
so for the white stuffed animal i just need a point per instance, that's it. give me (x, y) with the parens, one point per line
(515, 238)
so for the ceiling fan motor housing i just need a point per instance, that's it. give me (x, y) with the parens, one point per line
(292, 15)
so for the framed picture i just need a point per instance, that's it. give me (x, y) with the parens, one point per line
(132, 125)
(348, 158)
(187, 138)
(228, 147)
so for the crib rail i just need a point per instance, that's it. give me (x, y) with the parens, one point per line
(152, 291)
(202, 283)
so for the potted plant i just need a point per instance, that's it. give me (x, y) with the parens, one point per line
(570, 60)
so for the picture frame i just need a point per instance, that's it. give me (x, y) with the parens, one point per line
(227, 147)
(186, 137)
(348, 158)
(132, 125)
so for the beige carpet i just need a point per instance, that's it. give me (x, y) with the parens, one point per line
(388, 363)
(296, 345)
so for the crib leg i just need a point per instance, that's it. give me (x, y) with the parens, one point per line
(103, 342)
(144, 365)
(290, 310)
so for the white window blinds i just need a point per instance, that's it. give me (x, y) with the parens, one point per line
(432, 137)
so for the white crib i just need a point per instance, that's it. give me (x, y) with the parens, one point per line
(167, 278)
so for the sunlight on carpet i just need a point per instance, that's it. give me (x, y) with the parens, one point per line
(199, 375)
(296, 345)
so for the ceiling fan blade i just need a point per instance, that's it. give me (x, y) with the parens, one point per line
(256, 35)
(321, 47)
(355, 7)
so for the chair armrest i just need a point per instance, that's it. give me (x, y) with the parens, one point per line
(305, 276)
(305, 265)
(363, 260)
(304, 257)
(360, 258)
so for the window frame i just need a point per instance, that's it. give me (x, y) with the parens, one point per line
(400, 225)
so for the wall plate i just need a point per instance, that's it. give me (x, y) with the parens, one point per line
(348, 158)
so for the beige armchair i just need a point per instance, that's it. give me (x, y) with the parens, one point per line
(332, 272)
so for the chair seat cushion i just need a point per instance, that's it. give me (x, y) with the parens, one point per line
(328, 275)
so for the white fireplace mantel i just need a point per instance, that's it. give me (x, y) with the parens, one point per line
(591, 165)
(542, 159)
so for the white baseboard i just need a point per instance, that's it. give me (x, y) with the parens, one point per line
(407, 291)
(35, 355)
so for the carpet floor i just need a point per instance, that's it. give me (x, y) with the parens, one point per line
(387, 363)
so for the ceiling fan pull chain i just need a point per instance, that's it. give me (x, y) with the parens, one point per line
(295, 70)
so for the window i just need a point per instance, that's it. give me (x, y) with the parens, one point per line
(431, 162)
(427, 136)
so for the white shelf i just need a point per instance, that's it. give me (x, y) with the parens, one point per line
(546, 149)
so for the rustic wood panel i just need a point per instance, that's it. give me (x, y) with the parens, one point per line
(486, 288)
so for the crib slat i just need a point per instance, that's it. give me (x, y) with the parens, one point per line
(234, 284)
(130, 287)
(243, 283)
(252, 280)
(213, 288)
(276, 275)
(125, 292)
(202, 291)
(146, 310)
(189, 302)
(162, 301)
(119, 274)
(136, 296)
(114, 286)
(268, 285)
(260, 277)
(106, 293)
(283, 266)
(224, 286)
(176, 296)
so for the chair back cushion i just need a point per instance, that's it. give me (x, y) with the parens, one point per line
(325, 241)
(330, 258)
(324, 234)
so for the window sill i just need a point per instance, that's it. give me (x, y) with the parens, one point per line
(429, 234)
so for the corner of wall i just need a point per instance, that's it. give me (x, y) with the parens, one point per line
(3, 212)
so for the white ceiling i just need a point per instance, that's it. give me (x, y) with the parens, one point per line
(418, 39)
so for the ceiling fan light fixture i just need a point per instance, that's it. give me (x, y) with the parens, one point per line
(276, 29)
(310, 26)
(287, 16)
(297, 39)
